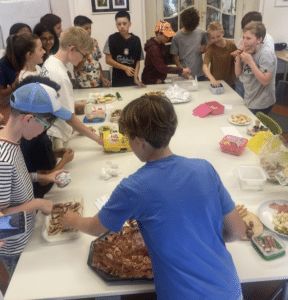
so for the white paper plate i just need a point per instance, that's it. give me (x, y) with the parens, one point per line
(64, 236)
(266, 214)
(230, 120)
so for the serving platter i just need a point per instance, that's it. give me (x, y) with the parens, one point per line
(266, 214)
(234, 123)
(106, 276)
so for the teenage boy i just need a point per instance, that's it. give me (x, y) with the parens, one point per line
(200, 266)
(89, 72)
(38, 153)
(123, 52)
(189, 44)
(218, 56)
(257, 65)
(156, 60)
(75, 44)
(249, 17)
(34, 108)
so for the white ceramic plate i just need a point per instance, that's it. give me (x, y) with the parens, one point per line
(230, 120)
(266, 214)
(64, 236)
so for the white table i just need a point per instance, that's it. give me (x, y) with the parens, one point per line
(50, 271)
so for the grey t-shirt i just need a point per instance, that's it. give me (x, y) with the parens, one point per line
(186, 46)
(258, 96)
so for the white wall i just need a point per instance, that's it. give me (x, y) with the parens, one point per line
(275, 20)
(104, 24)
(61, 9)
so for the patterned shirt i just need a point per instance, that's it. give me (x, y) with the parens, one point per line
(16, 189)
(89, 75)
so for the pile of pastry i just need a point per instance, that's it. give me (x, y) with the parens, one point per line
(123, 254)
(59, 209)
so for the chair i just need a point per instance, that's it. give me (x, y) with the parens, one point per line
(272, 125)
(282, 93)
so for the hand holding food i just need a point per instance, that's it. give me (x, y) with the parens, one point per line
(63, 178)
(252, 222)
(59, 210)
(69, 219)
(246, 57)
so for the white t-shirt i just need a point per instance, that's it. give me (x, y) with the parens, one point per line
(23, 74)
(56, 71)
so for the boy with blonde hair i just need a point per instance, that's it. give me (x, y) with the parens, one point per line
(257, 65)
(218, 54)
(75, 45)
(200, 266)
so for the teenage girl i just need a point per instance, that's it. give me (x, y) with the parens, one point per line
(25, 53)
(20, 28)
(47, 38)
(53, 22)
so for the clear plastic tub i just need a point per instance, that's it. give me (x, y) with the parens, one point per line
(265, 248)
(95, 112)
(187, 84)
(251, 177)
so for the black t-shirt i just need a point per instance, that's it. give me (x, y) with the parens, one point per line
(38, 156)
(126, 52)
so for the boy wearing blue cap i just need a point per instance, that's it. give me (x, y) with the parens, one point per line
(34, 108)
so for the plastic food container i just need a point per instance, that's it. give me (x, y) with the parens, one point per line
(115, 115)
(62, 236)
(207, 108)
(251, 177)
(233, 144)
(80, 106)
(260, 244)
(217, 90)
(95, 112)
(187, 84)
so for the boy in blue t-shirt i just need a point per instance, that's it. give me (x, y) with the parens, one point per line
(184, 212)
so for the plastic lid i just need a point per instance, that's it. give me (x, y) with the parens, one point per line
(251, 173)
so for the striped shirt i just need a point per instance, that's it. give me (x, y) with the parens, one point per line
(16, 189)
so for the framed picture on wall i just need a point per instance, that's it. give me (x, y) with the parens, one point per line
(109, 6)
(281, 3)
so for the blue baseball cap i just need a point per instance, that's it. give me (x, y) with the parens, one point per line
(39, 98)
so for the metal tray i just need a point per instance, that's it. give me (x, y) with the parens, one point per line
(108, 277)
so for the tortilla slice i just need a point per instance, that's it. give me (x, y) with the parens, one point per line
(258, 226)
